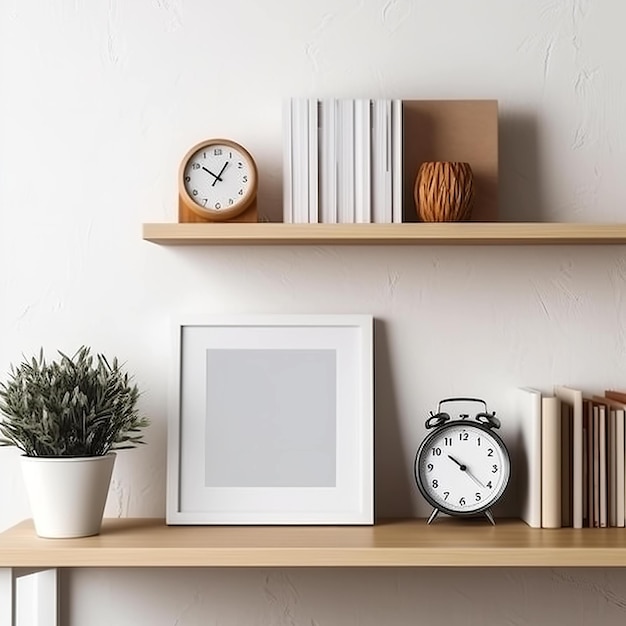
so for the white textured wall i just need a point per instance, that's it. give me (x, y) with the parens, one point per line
(100, 100)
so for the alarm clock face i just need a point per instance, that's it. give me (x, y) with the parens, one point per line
(219, 177)
(462, 468)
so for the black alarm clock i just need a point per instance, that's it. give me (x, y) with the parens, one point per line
(462, 467)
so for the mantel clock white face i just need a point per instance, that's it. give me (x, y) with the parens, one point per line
(218, 178)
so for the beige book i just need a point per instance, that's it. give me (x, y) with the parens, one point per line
(588, 463)
(617, 401)
(596, 466)
(573, 400)
(551, 462)
(603, 466)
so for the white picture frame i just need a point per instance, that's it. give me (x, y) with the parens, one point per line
(271, 421)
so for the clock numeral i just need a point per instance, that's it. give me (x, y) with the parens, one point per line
(430, 467)
(240, 192)
(239, 165)
(489, 485)
(218, 205)
(245, 178)
(205, 200)
(187, 179)
(494, 469)
(445, 495)
(463, 436)
(436, 451)
(462, 501)
(217, 152)
(194, 192)
(490, 452)
(478, 496)
(478, 441)
(230, 201)
(195, 166)
(447, 441)
(435, 484)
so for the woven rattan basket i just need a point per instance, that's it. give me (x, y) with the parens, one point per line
(444, 191)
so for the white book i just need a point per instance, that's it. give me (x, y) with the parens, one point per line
(397, 162)
(362, 162)
(287, 161)
(345, 162)
(328, 161)
(300, 129)
(574, 399)
(381, 161)
(313, 178)
(528, 411)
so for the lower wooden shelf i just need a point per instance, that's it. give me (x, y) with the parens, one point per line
(132, 542)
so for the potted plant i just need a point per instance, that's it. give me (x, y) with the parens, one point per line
(67, 417)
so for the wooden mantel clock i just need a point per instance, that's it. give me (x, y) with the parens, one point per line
(217, 182)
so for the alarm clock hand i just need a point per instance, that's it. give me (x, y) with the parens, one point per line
(463, 468)
(219, 176)
(212, 174)
(474, 478)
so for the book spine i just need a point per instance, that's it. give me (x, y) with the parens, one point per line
(300, 161)
(287, 119)
(362, 162)
(328, 161)
(551, 462)
(397, 162)
(530, 464)
(381, 162)
(313, 173)
(345, 170)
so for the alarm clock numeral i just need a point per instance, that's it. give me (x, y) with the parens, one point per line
(463, 436)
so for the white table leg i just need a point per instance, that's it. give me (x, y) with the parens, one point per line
(7, 597)
(45, 592)
(47, 595)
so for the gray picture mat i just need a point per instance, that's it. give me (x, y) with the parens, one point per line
(271, 418)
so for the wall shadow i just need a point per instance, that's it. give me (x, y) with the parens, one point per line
(521, 187)
(393, 489)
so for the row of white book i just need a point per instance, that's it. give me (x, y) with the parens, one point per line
(342, 160)
(574, 458)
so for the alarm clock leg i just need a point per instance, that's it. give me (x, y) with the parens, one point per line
(489, 516)
(433, 515)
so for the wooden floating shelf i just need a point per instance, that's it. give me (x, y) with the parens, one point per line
(130, 542)
(467, 233)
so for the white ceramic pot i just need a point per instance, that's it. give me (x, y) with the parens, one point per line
(67, 494)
